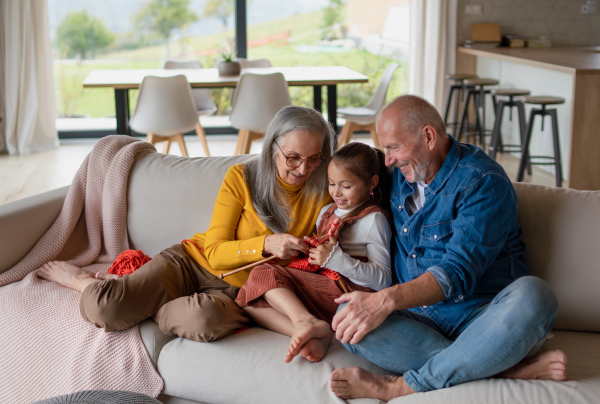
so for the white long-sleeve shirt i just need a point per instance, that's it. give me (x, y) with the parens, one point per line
(368, 237)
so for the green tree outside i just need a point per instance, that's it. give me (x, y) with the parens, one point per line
(333, 18)
(162, 17)
(220, 9)
(79, 35)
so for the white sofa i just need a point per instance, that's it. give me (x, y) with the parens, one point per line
(170, 198)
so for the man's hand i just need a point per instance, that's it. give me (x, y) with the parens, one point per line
(284, 246)
(318, 255)
(363, 313)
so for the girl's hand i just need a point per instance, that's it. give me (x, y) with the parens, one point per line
(283, 245)
(318, 255)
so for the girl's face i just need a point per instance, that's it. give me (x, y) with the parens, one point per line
(347, 190)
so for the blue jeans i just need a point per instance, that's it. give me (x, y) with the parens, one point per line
(494, 339)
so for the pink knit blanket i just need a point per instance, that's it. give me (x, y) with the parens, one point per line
(46, 348)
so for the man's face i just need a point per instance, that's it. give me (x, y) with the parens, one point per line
(401, 151)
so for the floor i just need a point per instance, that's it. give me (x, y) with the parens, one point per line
(24, 176)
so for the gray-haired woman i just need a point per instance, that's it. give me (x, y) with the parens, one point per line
(264, 207)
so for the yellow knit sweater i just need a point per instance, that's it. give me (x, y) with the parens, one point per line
(236, 235)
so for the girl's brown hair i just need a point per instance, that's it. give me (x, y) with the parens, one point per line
(365, 161)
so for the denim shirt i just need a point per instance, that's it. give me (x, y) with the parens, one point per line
(466, 234)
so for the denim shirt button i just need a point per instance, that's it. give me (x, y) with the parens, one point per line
(400, 207)
(461, 297)
(435, 237)
(424, 307)
(414, 255)
(405, 229)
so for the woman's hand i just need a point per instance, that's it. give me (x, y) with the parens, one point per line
(283, 245)
(318, 255)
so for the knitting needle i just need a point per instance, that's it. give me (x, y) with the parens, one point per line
(343, 285)
(252, 265)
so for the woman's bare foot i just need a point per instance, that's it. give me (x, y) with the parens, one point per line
(315, 349)
(66, 275)
(105, 276)
(304, 331)
(355, 382)
(547, 365)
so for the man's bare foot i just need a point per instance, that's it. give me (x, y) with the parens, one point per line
(547, 365)
(105, 276)
(66, 275)
(315, 349)
(304, 331)
(358, 383)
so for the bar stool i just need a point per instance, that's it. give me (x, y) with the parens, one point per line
(543, 101)
(456, 93)
(496, 143)
(476, 91)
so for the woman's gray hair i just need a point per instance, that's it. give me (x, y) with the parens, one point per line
(261, 175)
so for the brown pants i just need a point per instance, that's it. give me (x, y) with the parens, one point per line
(195, 304)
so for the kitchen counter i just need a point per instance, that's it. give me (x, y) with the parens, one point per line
(569, 72)
(581, 59)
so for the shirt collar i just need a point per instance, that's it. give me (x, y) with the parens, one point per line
(447, 168)
(290, 189)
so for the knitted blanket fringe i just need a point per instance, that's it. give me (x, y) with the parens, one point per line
(47, 348)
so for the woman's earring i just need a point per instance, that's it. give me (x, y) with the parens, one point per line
(371, 193)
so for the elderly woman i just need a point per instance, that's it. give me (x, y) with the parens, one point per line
(264, 207)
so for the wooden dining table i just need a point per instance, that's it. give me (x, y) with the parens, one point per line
(316, 76)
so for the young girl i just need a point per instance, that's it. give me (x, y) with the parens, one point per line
(351, 252)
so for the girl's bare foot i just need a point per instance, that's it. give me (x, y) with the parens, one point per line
(547, 365)
(66, 275)
(105, 276)
(355, 382)
(304, 331)
(315, 349)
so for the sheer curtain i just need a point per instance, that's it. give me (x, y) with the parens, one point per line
(432, 48)
(28, 109)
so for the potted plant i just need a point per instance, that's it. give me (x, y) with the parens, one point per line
(228, 65)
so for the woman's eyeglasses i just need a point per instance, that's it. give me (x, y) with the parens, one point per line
(296, 161)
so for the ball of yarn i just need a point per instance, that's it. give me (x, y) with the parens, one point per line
(127, 262)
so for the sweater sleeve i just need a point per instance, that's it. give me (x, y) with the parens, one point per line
(223, 249)
(374, 232)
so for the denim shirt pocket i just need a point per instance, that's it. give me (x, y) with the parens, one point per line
(436, 235)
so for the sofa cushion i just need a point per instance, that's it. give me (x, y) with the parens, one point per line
(560, 228)
(171, 198)
(582, 385)
(154, 339)
(36, 214)
(249, 368)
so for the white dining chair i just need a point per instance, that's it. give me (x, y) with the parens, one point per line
(202, 98)
(165, 110)
(259, 97)
(363, 118)
(246, 63)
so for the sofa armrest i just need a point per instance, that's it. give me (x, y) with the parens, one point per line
(24, 222)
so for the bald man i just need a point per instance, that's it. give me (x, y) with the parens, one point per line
(465, 306)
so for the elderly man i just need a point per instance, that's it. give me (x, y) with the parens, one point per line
(464, 307)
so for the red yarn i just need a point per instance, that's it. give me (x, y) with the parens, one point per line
(304, 265)
(127, 262)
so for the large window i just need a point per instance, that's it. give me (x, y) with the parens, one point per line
(364, 35)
